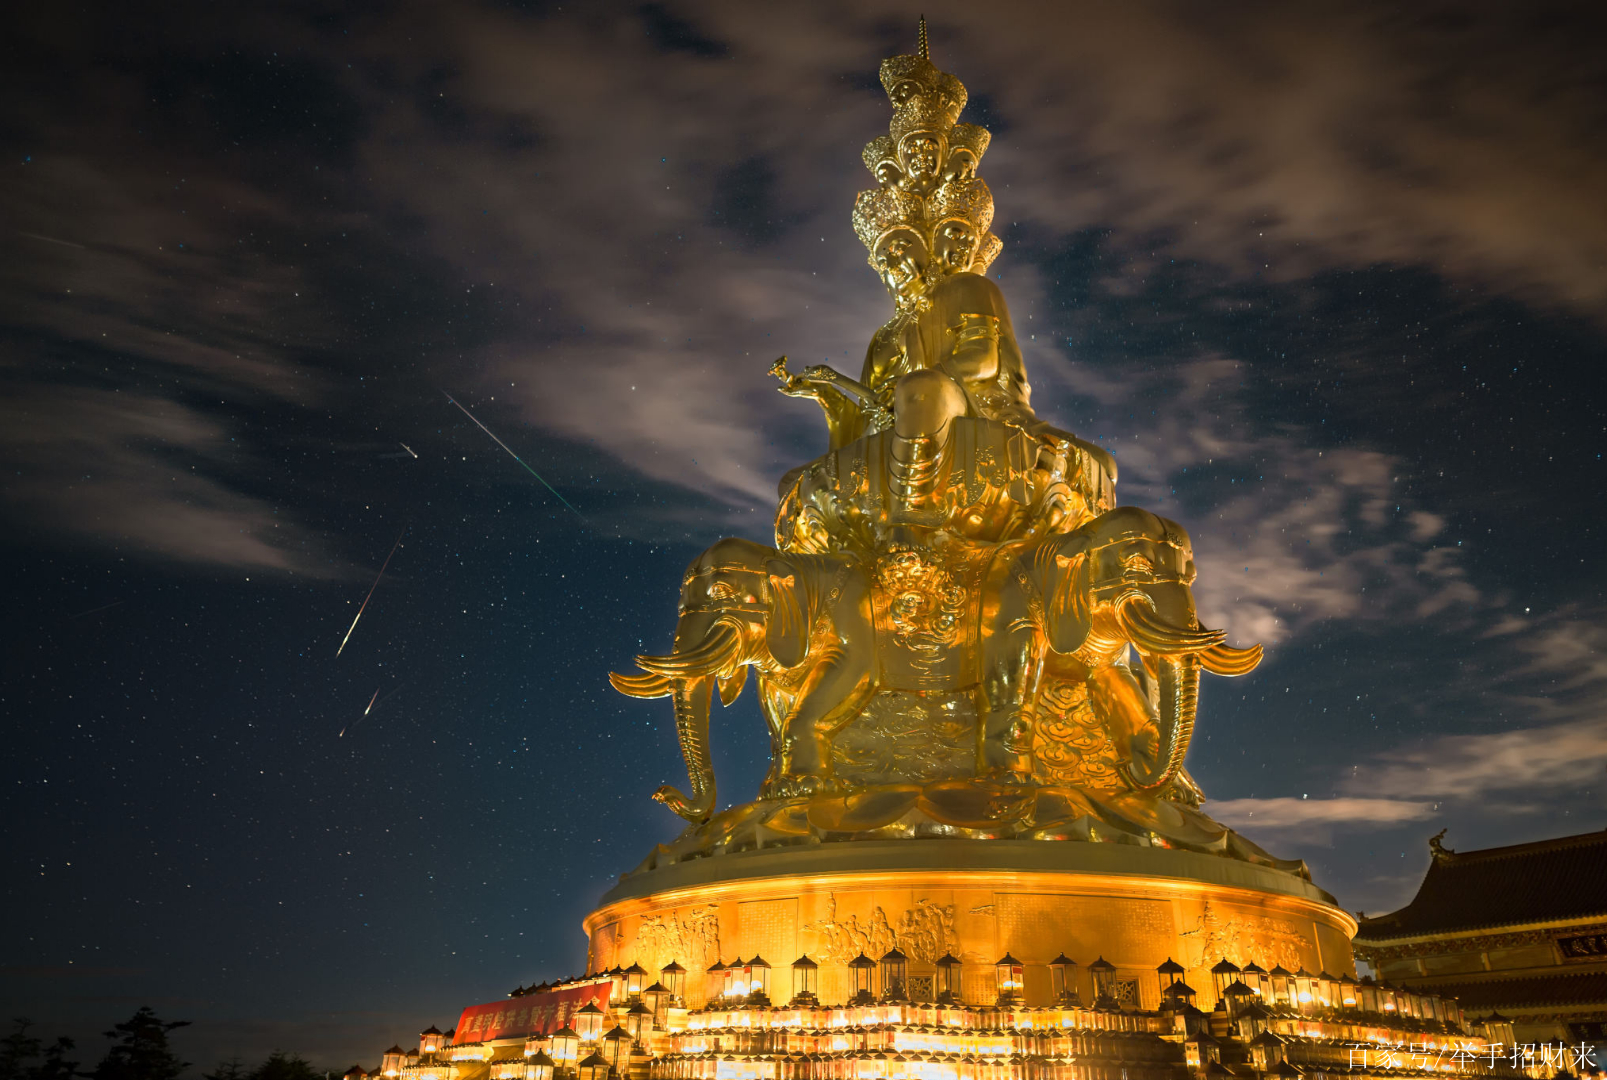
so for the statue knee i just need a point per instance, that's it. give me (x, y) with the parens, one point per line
(924, 402)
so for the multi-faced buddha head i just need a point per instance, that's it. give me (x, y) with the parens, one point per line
(954, 245)
(902, 259)
(920, 155)
(967, 144)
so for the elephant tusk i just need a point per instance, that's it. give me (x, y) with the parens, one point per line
(1152, 634)
(1226, 660)
(641, 686)
(717, 649)
(731, 686)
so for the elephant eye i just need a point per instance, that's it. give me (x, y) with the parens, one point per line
(1138, 564)
(721, 590)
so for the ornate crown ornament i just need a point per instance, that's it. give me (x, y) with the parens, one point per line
(881, 210)
(926, 102)
(967, 199)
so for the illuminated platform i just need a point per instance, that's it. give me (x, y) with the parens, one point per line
(1134, 907)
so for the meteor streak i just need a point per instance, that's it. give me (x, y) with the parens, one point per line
(408, 448)
(371, 702)
(370, 596)
(511, 454)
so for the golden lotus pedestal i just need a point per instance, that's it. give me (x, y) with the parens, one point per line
(1133, 906)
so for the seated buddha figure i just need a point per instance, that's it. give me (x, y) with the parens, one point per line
(938, 432)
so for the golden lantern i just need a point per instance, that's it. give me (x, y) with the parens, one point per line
(635, 980)
(1009, 975)
(639, 1021)
(758, 973)
(1104, 974)
(616, 982)
(1179, 994)
(1063, 982)
(1281, 979)
(673, 976)
(895, 967)
(390, 1063)
(1237, 995)
(1267, 1050)
(948, 980)
(1327, 990)
(656, 998)
(716, 981)
(805, 981)
(616, 1048)
(539, 1066)
(1348, 997)
(1200, 1050)
(1254, 976)
(430, 1040)
(594, 1067)
(565, 1047)
(589, 1022)
(1224, 973)
(1168, 975)
(1304, 999)
(862, 970)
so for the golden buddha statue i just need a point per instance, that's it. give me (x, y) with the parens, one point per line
(956, 629)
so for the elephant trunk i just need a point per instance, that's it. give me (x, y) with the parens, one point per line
(1180, 696)
(693, 696)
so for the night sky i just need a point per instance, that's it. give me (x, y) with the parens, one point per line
(1330, 281)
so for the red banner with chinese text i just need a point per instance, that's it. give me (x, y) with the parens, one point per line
(533, 1014)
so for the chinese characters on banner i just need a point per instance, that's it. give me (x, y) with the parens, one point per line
(536, 1014)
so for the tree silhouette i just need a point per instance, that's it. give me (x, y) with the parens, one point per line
(283, 1066)
(142, 1053)
(19, 1048)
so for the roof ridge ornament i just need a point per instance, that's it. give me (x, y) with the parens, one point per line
(1441, 853)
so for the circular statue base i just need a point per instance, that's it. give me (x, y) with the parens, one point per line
(1133, 906)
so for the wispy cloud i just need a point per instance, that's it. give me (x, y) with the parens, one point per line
(1534, 761)
(1263, 815)
(137, 473)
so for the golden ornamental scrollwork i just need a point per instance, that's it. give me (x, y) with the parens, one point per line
(956, 631)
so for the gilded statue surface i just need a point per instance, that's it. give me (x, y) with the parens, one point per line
(955, 631)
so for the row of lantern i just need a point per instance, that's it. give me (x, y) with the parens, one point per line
(881, 1066)
(994, 1042)
(1305, 992)
(886, 981)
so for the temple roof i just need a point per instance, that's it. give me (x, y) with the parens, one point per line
(1570, 989)
(1544, 881)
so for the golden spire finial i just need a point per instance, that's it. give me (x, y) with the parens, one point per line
(921, 48)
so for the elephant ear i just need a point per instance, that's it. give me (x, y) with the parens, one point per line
(787, 630)
(1067, 616)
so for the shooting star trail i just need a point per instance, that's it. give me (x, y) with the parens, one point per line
(370, 595)
(52, 240)
(92, 611)
(515, 457)
(366, 711)
(408, 448)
